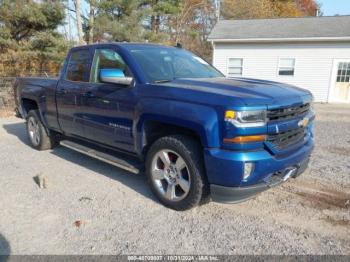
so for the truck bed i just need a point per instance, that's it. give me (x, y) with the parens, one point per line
(33, 88)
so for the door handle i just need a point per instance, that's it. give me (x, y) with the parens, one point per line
(88, 94)
(61, 91)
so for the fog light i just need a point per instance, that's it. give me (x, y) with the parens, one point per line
(248, 170)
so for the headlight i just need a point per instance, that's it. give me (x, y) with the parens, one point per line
(246, 118)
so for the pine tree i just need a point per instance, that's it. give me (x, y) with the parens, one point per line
(28, 36)
(118, 20)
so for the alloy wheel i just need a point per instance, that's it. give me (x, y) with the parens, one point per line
(171, 175)
(34, 131)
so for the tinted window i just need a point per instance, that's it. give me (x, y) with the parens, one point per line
(78, 68)
(107, 59)
(166, 64)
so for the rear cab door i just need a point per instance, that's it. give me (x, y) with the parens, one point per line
(69, 93)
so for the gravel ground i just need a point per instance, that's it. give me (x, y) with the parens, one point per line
(119, 215)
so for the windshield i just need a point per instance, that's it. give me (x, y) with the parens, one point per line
(166, 64)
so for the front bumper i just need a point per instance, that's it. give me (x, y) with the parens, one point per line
(225, 171)
(224, 194)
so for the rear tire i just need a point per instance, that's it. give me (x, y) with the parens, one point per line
(37, 134)
(175, 172)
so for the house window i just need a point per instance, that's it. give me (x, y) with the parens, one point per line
(343, 75)
(286, 67)
(235, 67)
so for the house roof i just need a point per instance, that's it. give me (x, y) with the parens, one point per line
(331, 28)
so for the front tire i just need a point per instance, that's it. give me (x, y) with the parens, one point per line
(175, 172)
(37, 134)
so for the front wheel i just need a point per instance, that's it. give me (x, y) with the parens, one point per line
(175, 172)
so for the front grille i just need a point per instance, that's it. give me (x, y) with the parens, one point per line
(288, 112)
(285, 139)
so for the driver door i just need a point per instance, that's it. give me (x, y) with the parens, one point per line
(108, 108)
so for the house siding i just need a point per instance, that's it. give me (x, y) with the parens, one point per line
(313, 62)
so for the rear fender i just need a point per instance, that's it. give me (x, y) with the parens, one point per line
(37, 95)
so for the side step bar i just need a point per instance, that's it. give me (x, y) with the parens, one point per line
(121, 162)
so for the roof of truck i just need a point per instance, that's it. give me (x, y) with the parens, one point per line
(125, 45)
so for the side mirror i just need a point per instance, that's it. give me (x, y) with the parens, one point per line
(114, 76)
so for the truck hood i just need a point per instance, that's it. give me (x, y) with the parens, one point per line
(248, 91)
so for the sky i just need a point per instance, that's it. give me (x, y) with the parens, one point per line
(333, 7)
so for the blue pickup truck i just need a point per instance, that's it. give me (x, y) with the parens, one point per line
(165, 112)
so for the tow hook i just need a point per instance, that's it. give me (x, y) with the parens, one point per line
(290, 172)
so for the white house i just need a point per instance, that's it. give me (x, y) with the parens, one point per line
(313, 53)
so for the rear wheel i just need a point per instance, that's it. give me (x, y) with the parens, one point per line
(175, 172)
(38, 136)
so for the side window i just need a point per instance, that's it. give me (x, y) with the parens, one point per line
(78, 68)
(235, 67)
(107, 59)
(286, 67)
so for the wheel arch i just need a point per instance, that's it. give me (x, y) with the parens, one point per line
(198, 120)
(28, 104)
(154, 129)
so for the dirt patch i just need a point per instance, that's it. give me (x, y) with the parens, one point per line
(324, 200)
(318, 197)
(337, 222)
(340, 150)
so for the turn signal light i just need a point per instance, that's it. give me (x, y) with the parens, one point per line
(245, 139)
(230, 115)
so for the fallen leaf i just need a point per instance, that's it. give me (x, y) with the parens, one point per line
(78, 223)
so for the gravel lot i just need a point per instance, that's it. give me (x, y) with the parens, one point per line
(119, 215)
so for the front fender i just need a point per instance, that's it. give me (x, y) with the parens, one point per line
(201, 119)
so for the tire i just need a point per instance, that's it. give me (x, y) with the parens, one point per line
(37, 134)
(184, 169)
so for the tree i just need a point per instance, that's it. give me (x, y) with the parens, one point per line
(28, 36)
(309, 7)
(118, 20)
(91, 21)
(79, 23)
(192, 25)
(160, 9)
(23, 18)
(249, 9)
(287, 8)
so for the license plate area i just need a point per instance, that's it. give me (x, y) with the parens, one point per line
(282, 176)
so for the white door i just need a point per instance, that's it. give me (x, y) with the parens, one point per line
(340, 86)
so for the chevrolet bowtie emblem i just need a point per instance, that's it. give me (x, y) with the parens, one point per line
(304, 122)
